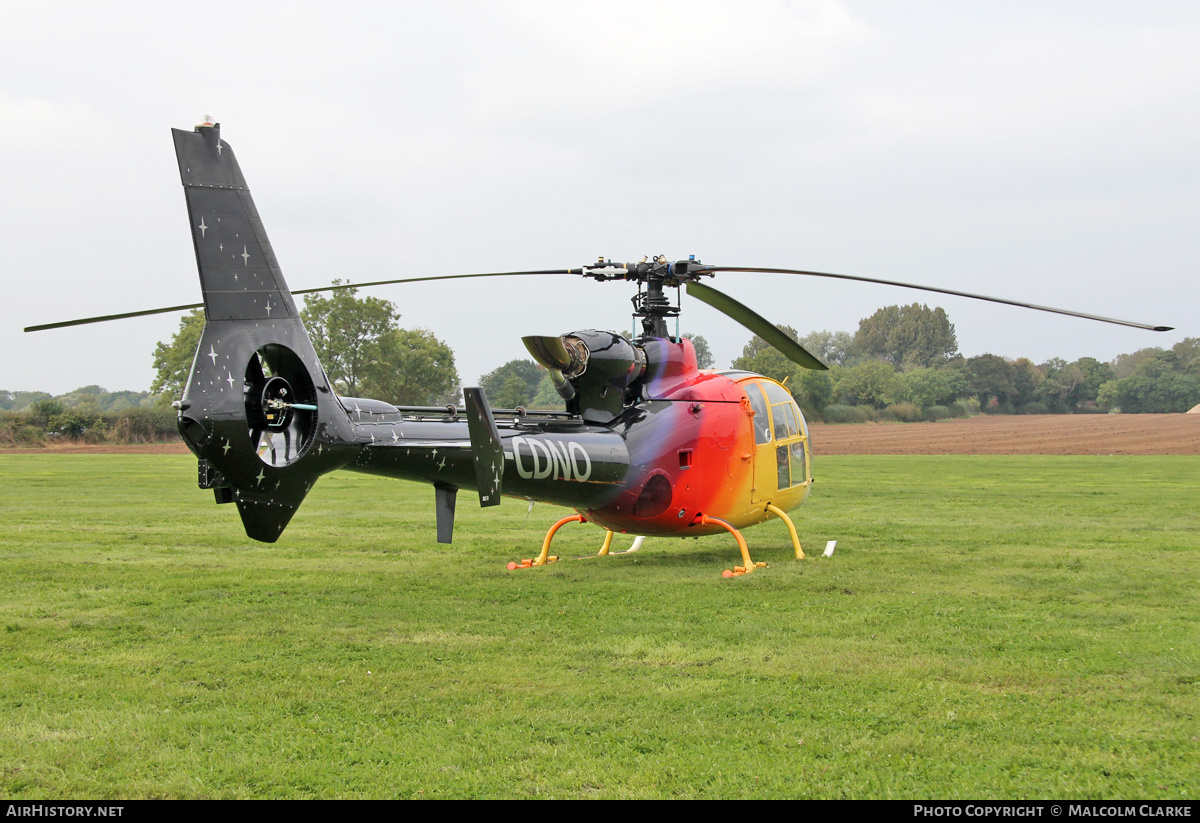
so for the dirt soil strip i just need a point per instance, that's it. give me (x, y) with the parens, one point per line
(104, 448)
(1017, 434)
(1000, 434)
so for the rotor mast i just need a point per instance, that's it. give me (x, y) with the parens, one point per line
(651, 303)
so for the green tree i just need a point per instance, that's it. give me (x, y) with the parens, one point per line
(547, 396)
(1062, 380)
(1068, 386)
(25, 399)
(812, 389)
(1164, 382)
(411, 367)
(833, 348)
(1187, 355)
(83, 394)
(761, 357)
(78, 420)
(704, 357)
(173, 361)
(1124, 365)
(103, 400)
(933, 387)
(871, 383)
(907, 336)
(1028, 381)
(1094, 375)
(43, 412)
(346, 331)
(991, 378)
(513, 392)
(117, 400)
(513, 384)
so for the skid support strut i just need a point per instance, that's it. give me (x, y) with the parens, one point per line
(606, 549)
(545, 557)
(748, 564)
(782, 515)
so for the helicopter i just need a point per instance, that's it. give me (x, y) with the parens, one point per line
(648, 443)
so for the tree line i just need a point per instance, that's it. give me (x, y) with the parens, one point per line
(901, 364)
(89, 413)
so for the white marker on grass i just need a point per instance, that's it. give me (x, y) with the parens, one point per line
(829, 548)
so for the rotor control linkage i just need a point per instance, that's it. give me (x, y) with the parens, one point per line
(654, 274)
(669, 272)
(283, 404)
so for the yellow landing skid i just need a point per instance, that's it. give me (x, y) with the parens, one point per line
(748, 565)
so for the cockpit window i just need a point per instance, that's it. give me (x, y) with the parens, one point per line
(785, 421)
(762, 423)
(799, 471)
(776, 393)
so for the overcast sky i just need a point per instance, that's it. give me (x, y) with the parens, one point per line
(1045, 151)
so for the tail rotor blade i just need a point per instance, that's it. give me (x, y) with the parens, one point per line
(756, 323)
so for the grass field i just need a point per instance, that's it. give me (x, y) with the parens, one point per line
(995, 627)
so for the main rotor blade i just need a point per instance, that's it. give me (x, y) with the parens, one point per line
(165, 310)
(756, 323)
(85, 320)
(1019, 303)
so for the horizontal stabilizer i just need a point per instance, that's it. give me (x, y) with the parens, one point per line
(486, 449)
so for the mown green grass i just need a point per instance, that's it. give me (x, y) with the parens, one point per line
(988, 627)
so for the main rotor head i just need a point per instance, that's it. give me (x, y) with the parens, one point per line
(652, 276)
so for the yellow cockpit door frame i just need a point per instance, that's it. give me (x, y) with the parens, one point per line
(782, 473)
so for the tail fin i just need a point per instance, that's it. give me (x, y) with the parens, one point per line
(258, 410)
(239, 274)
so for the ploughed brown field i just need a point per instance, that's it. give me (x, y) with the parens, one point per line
(1020, 434)
(1017, 434)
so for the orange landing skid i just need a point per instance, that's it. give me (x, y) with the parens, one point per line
(748, 564)
(529, 564)
(545, 557)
